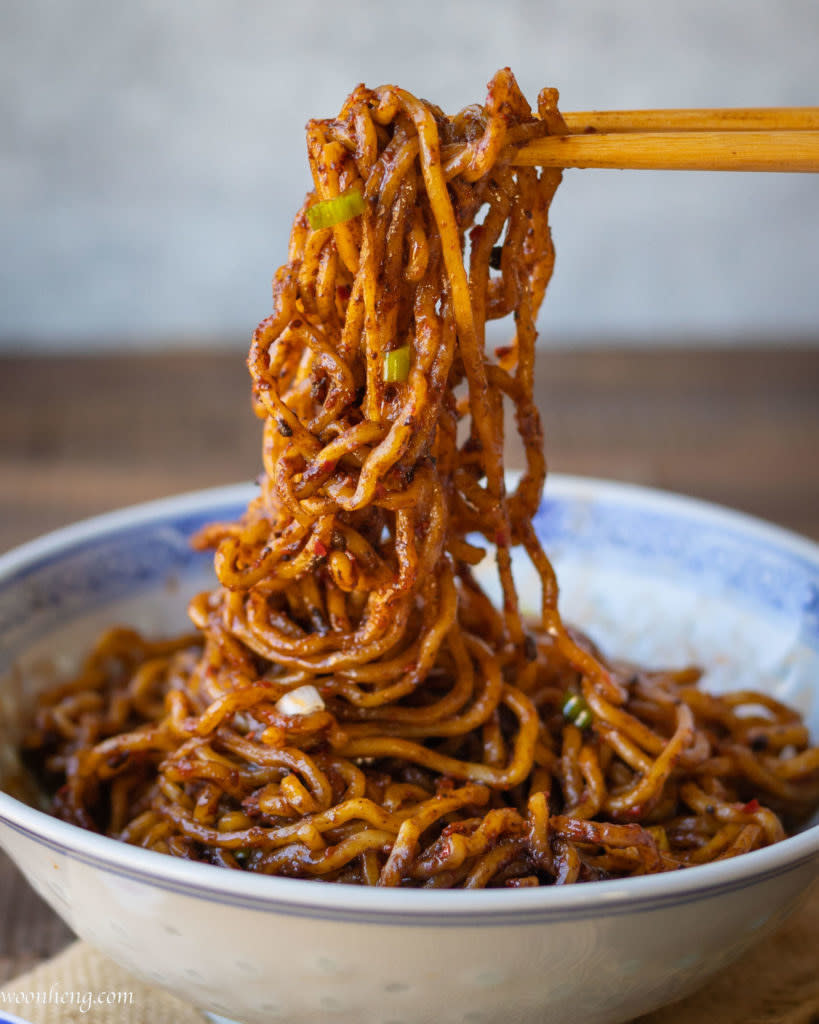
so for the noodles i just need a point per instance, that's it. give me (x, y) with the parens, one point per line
(352, 708)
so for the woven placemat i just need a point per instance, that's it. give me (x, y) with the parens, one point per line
(777, 982)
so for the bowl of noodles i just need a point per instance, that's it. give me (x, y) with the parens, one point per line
(393, 735)
(652, 577)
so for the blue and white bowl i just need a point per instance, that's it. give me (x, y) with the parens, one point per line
(652, 577)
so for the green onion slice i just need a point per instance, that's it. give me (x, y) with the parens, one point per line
(583, 719)
(576, 710)
(336, 210)
(397, 365)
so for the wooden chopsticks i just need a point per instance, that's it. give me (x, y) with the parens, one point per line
(751, 119)
(744, 139)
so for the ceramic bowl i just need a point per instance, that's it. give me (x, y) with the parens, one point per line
(654, 577)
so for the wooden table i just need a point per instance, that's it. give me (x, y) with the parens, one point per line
(83, 435)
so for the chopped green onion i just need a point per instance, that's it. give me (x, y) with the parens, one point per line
(336, 210)
(583, 718)
(397, 365)
(576, 710)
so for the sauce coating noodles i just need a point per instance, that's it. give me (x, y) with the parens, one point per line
(352, 707)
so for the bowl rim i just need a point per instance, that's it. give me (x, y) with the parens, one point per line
(313, 898)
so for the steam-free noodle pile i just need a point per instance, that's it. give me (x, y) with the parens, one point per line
(352, 707)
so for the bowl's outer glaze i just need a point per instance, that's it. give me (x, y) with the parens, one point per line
(652, 576)
(298, 964)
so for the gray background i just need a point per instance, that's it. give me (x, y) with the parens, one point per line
(152, 157)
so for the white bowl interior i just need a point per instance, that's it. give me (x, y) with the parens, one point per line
(665, 581)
